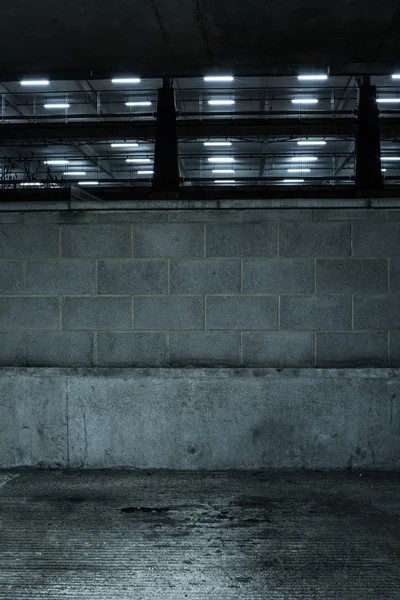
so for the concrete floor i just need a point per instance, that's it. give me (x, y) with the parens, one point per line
(142, 535)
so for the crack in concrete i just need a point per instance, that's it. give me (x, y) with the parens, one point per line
(200, 21)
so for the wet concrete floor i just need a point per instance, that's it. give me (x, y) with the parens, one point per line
(141, 535)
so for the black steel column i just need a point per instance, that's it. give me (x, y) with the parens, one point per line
(166, 166)
(368, 175)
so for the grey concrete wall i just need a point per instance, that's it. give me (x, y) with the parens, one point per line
(200, 418)
(262, 287)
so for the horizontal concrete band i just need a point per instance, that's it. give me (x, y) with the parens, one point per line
(200, 418)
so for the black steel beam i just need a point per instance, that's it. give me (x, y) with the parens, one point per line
(368, 174)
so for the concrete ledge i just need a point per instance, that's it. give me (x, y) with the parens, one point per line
(200, 418)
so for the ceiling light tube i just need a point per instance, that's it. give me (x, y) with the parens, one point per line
(218, 143)
(35, 82)
(138, 160)
(396, 76)
(299, 170)
(304, 101)
(145, 172)
(125, 145)
(125, 80)
(293, 180)
(321, 77)
(74, 173)
(223, 170)
(218, 78)
(224, 181)
(311, 143)
(305, 158)
(56, 162)
(221, 102)
(383, 170)
(221, 159)
(390, 157)
(31, 183)
(88, 183)
(139, 103)
(58, 105)
(388, 100)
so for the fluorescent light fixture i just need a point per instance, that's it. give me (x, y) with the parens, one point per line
(396, 76)
(138, 160)
(125, 145)
(388, 100)
(145, 172)
(31, 184)
(58, 105)
(35, 82)
(305, 158)
(221, 159)
(218, 78)
(218, 143)
(383, 170)
(293, 180)
(88, 183)
(304, 101)
(139, 103)
(125, 80)
(390, 157)
(311, 143)
(224, 181)
(298, 170)
(74, 173)
(223, 170)
(221, 102)
(312, 77)
(56, 162)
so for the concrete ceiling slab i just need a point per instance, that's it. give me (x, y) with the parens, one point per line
(187, 37)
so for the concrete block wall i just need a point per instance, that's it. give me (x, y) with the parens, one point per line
(263, 288)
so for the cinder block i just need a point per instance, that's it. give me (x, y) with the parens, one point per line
(97, 313)
(64, 216)
(131, 349)
(314, 239)
(132, 277)
(350, 214)
(205, 277)
(248, 239)
(351, 350)
(376, 239)
(393, 214)
(352, 275)
(60, 277)
(315, 312)
(29, 241)
(132, 216)
(395, 275)
(12, 217)
(59, 349)
(277, 276)
(276, 214)
(169, 312)
(228, 216)
(394, 350)
(11, 277)
(278, 349)
(204, 349)
(184, 240)
(241, 312)
(96, 241)
(12, 349)
(377, 312)
(26, 313)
